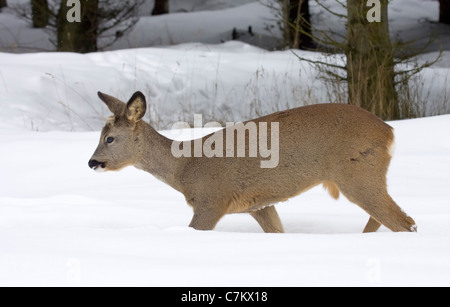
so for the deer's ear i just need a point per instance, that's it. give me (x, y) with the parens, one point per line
(114, 105)
(136, 107)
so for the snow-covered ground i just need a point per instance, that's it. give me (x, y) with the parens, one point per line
(227, 82)
(63, 224)
(231, 81)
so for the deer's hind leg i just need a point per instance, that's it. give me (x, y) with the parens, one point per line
(373, 197)
(268, 219)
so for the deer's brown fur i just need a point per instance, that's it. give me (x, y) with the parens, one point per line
(345, 148)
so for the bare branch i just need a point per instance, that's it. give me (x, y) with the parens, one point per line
(318, 62)
(330, 11)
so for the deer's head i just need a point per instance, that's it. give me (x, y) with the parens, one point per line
(122, 135)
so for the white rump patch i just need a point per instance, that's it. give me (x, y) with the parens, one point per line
(391, 148)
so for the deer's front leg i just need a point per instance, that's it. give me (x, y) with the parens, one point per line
(206, 219)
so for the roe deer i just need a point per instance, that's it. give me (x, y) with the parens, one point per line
(345, 148)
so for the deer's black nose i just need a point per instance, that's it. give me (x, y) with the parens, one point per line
(94, 164)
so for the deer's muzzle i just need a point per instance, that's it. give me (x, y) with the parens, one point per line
(97, 166)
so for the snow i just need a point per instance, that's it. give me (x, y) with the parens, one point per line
(231, 80)
(61, 224)
(203, 26)
(409, 21)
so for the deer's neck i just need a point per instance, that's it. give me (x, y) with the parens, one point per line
(155, 157)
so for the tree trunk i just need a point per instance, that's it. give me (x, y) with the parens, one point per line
(297, 25)
(300, 17)
(444, 16)
(161, 7)
(370, 62)
(40, 13)
(78, 36)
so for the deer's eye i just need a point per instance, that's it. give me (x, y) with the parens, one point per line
(110, 140)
